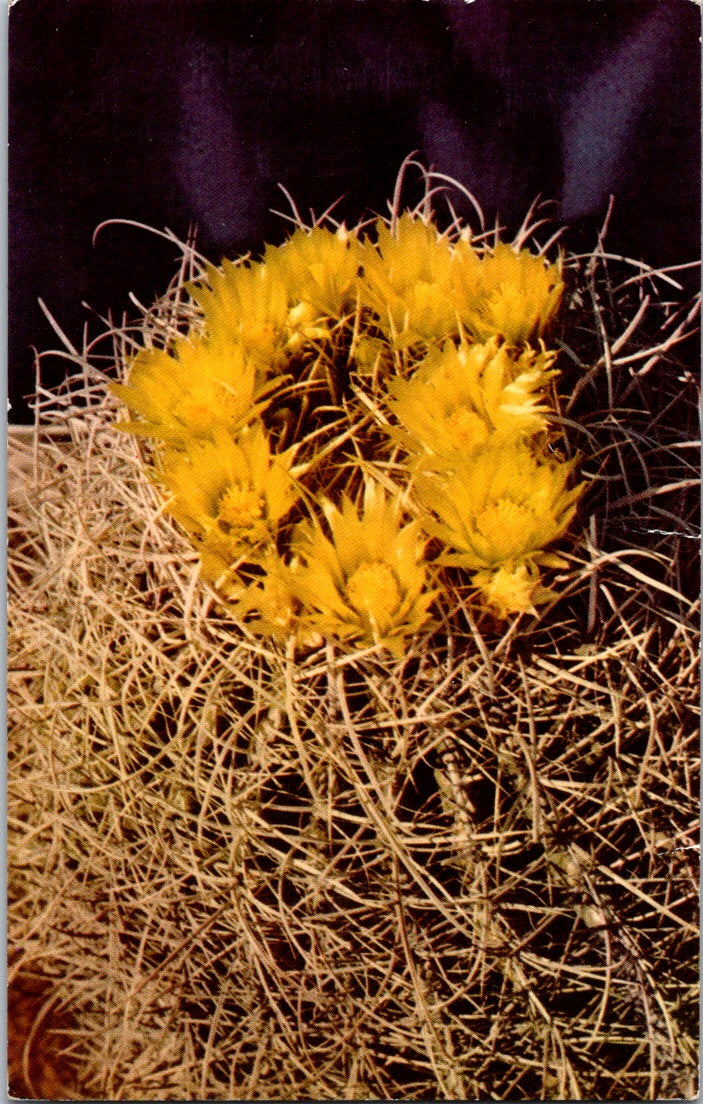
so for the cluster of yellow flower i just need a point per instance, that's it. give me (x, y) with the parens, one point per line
(358, 426)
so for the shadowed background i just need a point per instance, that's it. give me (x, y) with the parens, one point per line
(182, 112)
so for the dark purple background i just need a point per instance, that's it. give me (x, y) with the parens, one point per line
(180, 111)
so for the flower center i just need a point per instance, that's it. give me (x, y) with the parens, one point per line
(203, 406)
(197, 416)
(508, 526)
(373, 590)
(241, 506)
(469, 427)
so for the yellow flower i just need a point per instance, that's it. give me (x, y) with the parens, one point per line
(368, 582)
(201, 386)
(501, 506)
(460, 396)
(319, 269)
(269, 604)
(246, 305)
(517, 295)
(231, 496)
(512, 588)
(407, 282)
(271, 598)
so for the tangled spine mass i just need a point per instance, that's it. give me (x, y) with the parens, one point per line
(356, 427)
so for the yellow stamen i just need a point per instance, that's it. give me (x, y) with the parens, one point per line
(241, 506)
